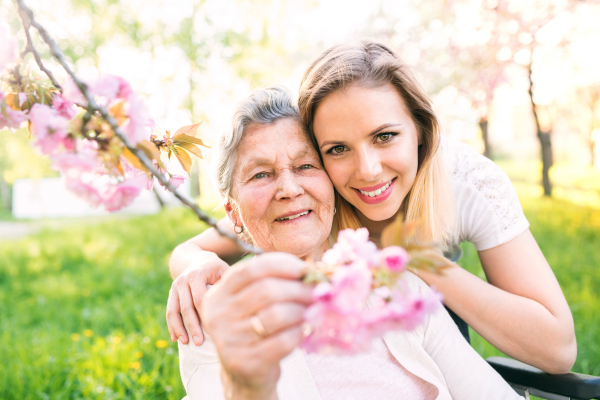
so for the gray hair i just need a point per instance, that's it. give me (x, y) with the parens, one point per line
(264, 107)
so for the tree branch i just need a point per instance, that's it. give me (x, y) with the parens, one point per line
(93, 107)
(30, 49)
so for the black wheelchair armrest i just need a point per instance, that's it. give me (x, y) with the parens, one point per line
(572, 385)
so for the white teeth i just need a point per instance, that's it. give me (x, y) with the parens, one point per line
(376, 192)
(292, 216)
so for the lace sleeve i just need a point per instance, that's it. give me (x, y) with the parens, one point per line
(489, 209)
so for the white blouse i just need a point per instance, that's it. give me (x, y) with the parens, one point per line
(489, 209)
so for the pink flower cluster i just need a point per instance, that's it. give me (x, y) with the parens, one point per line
(80, 160)
(9, 118)
(107, 89)
(355, 304)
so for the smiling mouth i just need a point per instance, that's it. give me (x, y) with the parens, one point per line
(289, 217)
(378, 191)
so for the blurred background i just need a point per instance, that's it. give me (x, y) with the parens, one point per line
(82, 294)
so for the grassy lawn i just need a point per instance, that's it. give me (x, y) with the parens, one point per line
(82, 310)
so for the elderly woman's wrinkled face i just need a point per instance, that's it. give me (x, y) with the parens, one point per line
(280, 191)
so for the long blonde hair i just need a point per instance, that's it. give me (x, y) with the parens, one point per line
(371, 64)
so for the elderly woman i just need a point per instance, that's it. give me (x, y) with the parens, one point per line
(278, 196)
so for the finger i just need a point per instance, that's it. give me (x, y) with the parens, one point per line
(188, 311)
(280, 265)
(174, 321)
(275, 347)
(249, 362)
(279, 317)
(197, 284)
(268, 291)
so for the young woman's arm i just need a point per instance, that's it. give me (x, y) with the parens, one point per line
(521, 311)
(195, 263)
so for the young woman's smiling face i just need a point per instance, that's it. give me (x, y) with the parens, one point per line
(370, 148)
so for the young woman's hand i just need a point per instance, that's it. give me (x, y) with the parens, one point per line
(254, 316)
(186, 294)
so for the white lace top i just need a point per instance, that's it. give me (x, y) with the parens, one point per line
(489, 209)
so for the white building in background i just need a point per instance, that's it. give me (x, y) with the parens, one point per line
(49, 198)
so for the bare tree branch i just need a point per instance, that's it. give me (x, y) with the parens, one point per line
(31, 49)
(93, 107)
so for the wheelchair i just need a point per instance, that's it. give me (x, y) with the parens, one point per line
(527, 380)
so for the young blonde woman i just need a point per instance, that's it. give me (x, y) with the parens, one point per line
(380, 143)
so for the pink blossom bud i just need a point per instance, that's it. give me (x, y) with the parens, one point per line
(176, 181)
(322, 292)
(10, 118)
(64, 106)
(49, 127)
(394, 258)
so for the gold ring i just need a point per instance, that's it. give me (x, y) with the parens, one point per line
(258, 326)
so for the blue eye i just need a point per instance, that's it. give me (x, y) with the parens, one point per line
(260, 175)
(306, 166)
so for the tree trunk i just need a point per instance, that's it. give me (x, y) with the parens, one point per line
(487, 150)
(545, 143)
(547, 160)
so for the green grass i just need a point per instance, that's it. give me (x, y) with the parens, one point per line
(111, 283)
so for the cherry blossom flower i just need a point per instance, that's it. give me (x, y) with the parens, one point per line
(85, 191)
(395, 258)
(123, 194)
(72, 93)
(176, 181)
(84, 160)
(140, 124)
(351, 285)
(352, 245)
(64, 107)
(334, 331)
(364, 297)
(50, 128)
(9, 118)
(106, 87)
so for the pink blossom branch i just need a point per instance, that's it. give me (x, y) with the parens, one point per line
(93, 107)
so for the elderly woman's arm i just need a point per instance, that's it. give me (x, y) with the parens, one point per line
(193, 265)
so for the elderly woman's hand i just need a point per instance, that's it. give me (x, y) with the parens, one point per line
(186, 294)
(254, 315)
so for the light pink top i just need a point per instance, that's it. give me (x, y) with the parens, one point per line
(362, 375)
